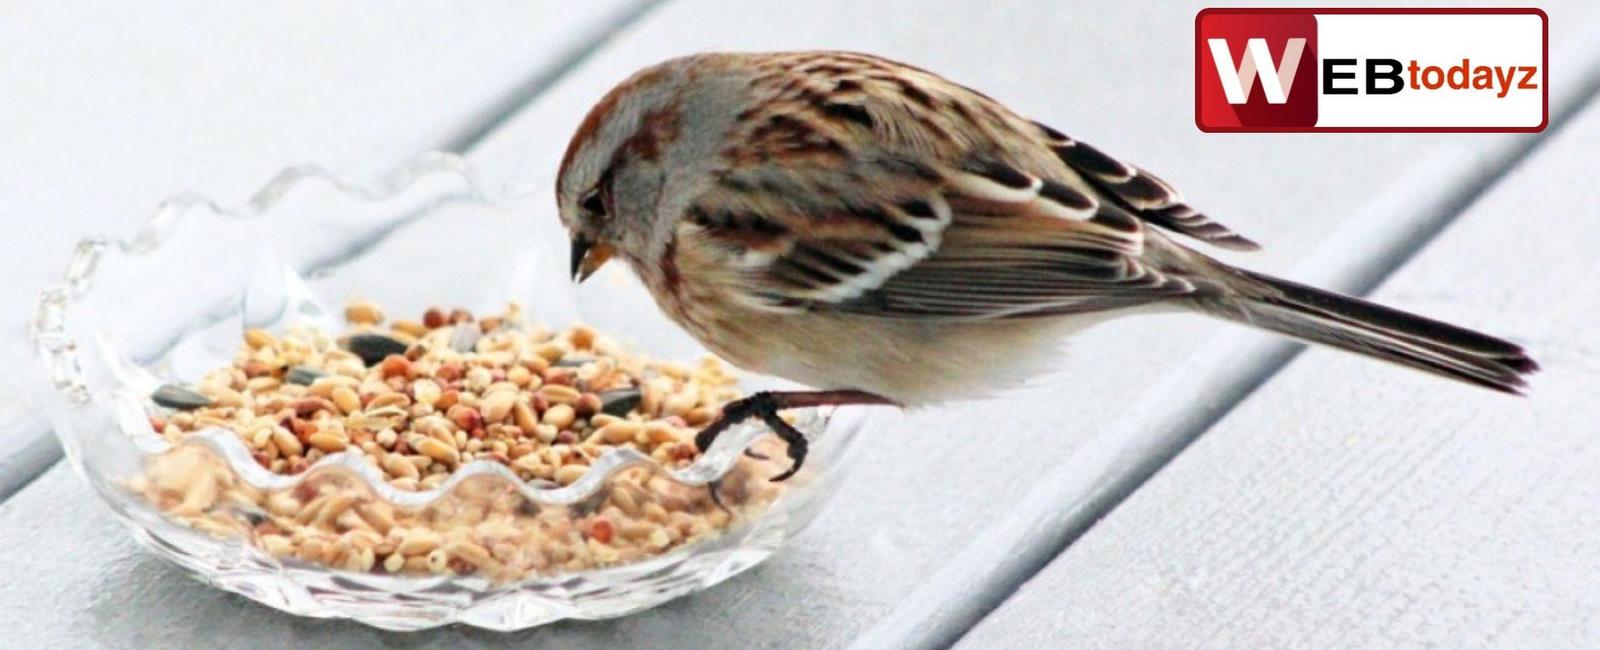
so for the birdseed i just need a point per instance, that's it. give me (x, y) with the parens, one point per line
(417, 401)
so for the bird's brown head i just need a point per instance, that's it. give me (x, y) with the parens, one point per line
(634, 151)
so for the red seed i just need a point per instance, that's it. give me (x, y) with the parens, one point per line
(465, 417)
(433, 318)
(448, 372)
(601, 530)
(157, 423)
(302, 429)
(396, 366)
(588, 404)
(415, 352)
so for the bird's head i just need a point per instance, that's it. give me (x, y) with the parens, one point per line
(634, 161)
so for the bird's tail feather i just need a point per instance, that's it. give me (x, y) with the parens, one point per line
(1356, 325)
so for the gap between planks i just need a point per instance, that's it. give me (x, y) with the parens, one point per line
(41, 450)
(492, 117)
(1400, 220)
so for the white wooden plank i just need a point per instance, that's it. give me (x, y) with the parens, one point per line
(109, 107)
(1345, 505)
(926, 489)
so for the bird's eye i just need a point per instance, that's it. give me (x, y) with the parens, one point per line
(593, 203)
(597, 202)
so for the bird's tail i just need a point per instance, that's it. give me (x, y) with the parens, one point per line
(1356, 325)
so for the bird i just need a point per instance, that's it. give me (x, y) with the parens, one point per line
(883, 235)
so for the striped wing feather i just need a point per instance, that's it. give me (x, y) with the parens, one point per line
(807, 249)
(1021, 246)
(983, 242)
(859, 186)
(1141, 193)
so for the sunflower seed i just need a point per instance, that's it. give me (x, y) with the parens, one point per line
(573, 362)
(174, 396)
(304, 376)
(620, 402)
(373, 348)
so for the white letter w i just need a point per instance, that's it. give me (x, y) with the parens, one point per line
(1236, 84)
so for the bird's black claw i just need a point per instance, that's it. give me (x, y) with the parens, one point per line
(798, 445)
(758, 405)
(733, 413)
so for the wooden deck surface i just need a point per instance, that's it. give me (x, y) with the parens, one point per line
(1346, 505)
(1327, 502)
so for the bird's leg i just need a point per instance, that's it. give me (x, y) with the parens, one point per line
(766, 404)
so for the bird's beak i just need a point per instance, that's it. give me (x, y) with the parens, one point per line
(588, 257)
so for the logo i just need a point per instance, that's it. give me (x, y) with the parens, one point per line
(1273, 70)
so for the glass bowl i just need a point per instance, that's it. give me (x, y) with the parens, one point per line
(484, 548)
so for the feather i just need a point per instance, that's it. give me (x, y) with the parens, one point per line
(863, 187)
(1143, 194)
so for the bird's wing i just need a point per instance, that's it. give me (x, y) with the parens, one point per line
(865, 186)
(1140, 193)
(981, 241)
(1021, 246)
(801, 237)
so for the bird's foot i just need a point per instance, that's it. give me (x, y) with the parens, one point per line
(765, 405)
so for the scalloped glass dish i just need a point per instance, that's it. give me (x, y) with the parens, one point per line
(170, 304)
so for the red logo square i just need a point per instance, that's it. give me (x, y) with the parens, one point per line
(1255, 70)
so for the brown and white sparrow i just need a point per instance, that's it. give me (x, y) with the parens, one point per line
(888, 236)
